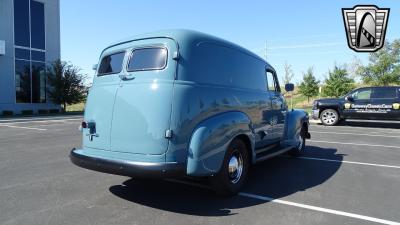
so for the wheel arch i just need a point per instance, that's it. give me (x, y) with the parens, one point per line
(211, 138)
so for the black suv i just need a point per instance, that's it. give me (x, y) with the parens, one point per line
(366, 103)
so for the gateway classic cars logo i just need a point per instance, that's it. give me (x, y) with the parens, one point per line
(365, 27)
(370, 108)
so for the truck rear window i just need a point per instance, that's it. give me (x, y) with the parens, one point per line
(148, 59)
(111, 64)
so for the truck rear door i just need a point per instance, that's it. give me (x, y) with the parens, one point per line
(100, 101)
(142, 108)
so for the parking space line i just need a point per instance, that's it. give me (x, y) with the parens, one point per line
(42, 121)
(39, 119)
(28, 128)
(319, 209)
(350, 162)
(300, 205)
(357, 128)
(357, 134)
(345, 143)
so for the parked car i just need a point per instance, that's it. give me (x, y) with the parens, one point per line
(182, 103)
(366, 103)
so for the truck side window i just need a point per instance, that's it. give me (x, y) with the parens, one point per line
(272, 84)
(384, 92)
(362, 94)
(111, 64)
(148, 59)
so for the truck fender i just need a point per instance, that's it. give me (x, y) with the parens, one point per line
(210, 140)
(295, 120)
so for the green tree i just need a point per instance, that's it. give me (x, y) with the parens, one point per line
(309, 86)
(65, 84)
(338, 82)
(384, 66)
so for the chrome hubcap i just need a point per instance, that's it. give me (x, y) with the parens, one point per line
(329, 117)
(235, 167)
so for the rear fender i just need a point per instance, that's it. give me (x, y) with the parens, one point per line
(211, 138)
(295, 119)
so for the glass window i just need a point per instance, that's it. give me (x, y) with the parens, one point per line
(38, 56)
(21, 23)
(37, 25)
(22, 54)
(362, 94)
(384, 92)
(272, 84)
(148, 59)
(38, 82)
(111, 64)
(22, 81)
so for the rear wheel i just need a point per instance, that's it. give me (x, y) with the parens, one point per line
(232, 175)
(329, 117)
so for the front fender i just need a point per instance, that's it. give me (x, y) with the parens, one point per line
(211, 138)
(295, 119)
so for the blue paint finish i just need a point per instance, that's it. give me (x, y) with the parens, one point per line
(210, 92)
(295, 119)
(210, 140)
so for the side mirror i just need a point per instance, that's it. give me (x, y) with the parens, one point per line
(289, 87)
(94, 67)
(349, 98)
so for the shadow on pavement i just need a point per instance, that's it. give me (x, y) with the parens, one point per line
(276, 178)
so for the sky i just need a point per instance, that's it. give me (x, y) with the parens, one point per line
(302, 33)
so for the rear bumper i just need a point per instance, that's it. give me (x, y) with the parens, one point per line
(128, 168)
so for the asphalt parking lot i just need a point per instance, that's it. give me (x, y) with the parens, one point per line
(348, 175)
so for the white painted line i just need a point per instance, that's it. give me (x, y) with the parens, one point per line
(28, 128)
(371, 135)
(349, 128)
(304, 206)
(40, 118)
(345, 161)
(344, 143)
(319, 209)
(43, 121)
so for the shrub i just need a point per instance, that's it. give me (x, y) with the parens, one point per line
(54, 111)
(27, 112)
(43, 111)
(8, 113)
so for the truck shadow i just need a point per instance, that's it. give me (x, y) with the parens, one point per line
(275, 178)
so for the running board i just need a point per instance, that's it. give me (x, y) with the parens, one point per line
(275, 153)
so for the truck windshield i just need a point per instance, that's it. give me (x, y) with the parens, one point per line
(148, 59)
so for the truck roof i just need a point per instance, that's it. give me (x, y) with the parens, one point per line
(182, 36)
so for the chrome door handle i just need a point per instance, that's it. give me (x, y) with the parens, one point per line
(126, 77)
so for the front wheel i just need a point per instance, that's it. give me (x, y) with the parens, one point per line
(329, 117)
(232, 175)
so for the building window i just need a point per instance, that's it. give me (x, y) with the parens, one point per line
(37, 25)
(21, 23)
(23, 81)
(30, 51)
